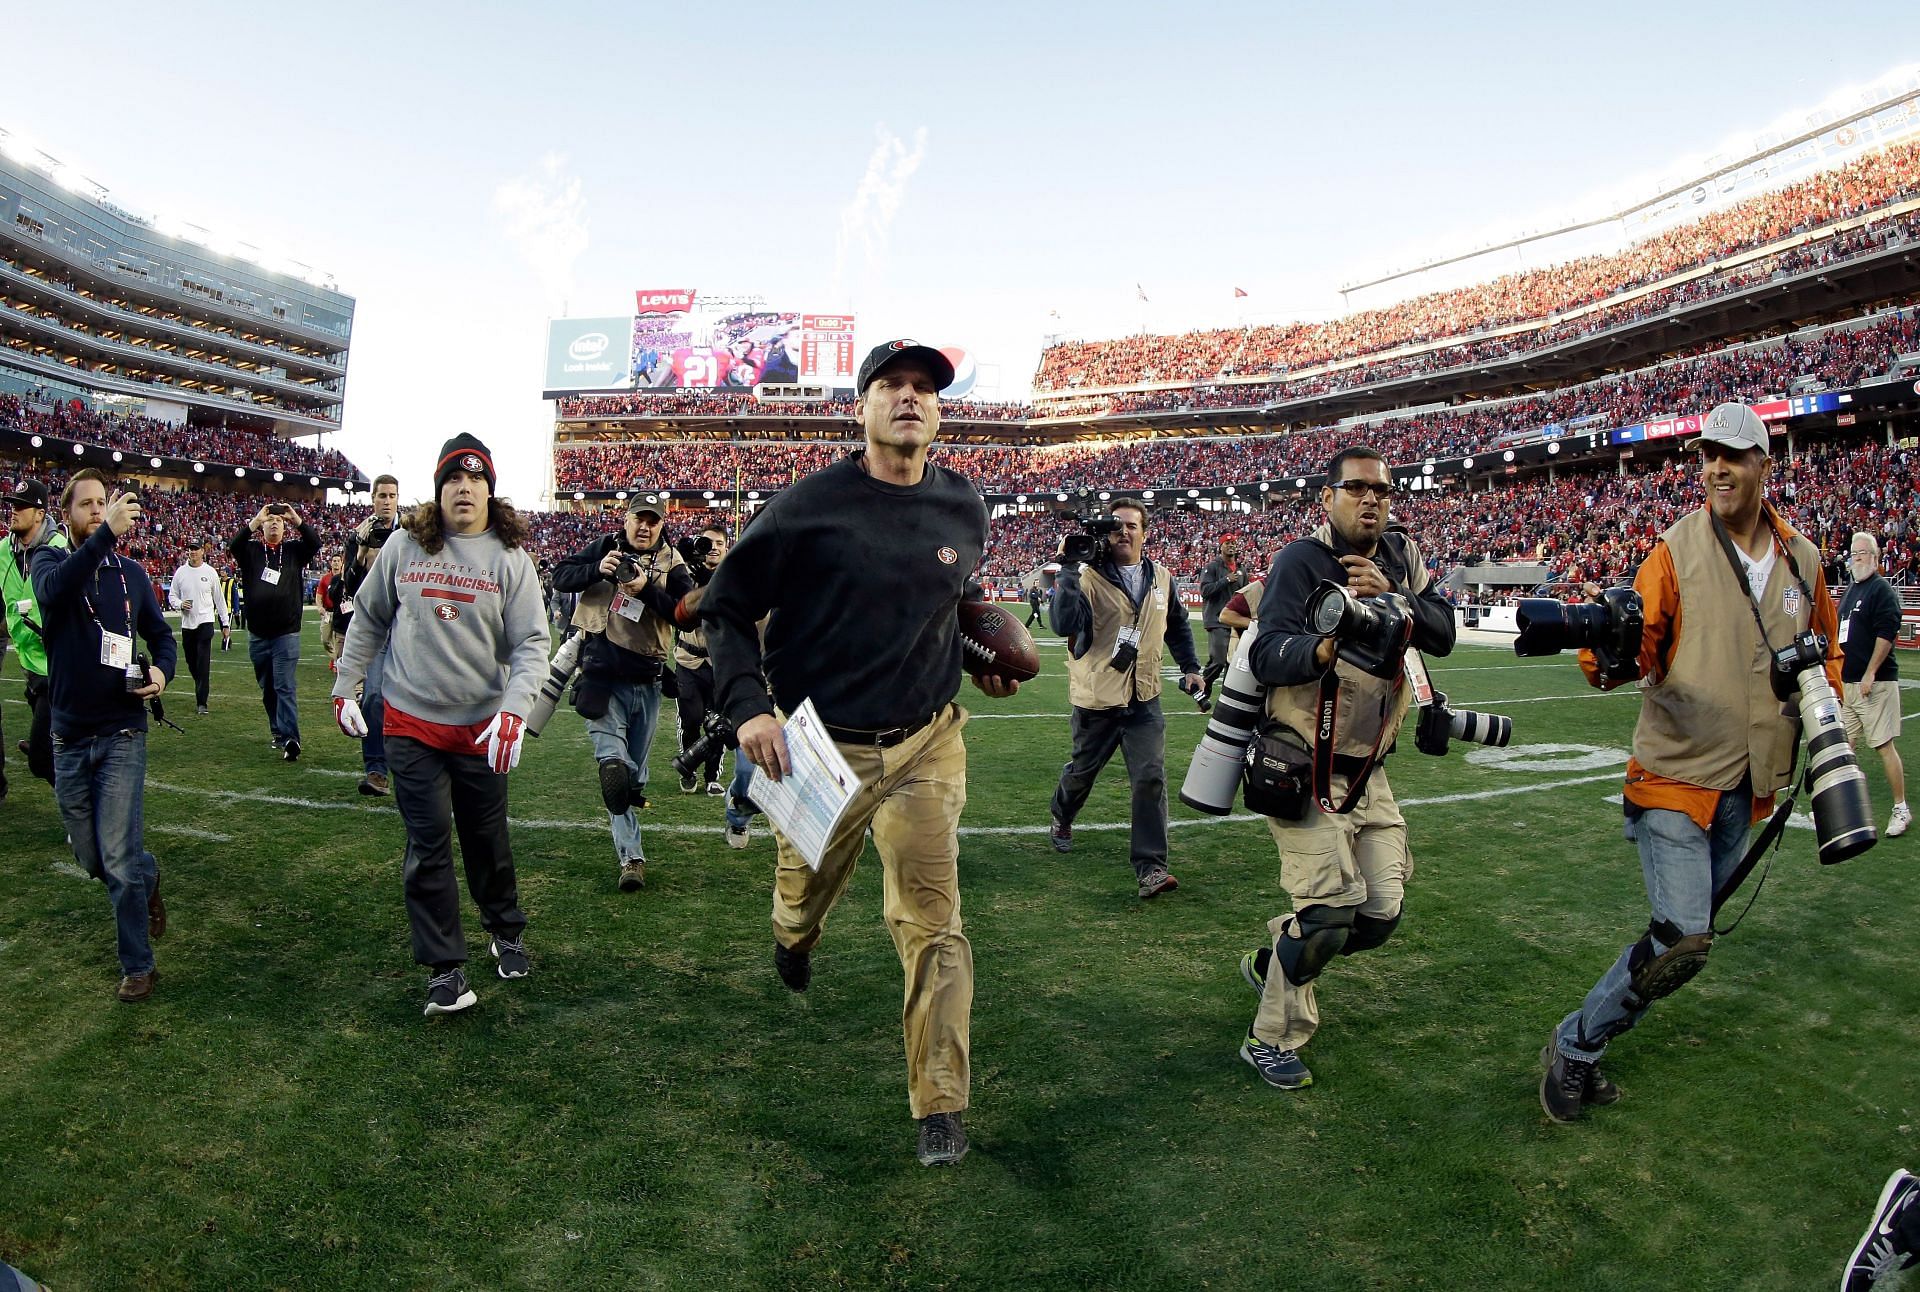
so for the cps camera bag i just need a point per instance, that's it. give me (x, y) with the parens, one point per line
(1278, 778)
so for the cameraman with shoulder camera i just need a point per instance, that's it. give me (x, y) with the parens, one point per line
(629, 583)
(1116, 609)
(1218, 582)
(271, 567)
(99, 606)
(364, 542)
(1337, 696)
(692, 669)
(1724, 588)
(30, 527)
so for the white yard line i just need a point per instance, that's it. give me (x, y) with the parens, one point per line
(189, 832)
(68, 868)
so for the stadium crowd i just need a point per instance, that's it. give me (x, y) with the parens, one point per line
(722, 403)
(210, 444)
(1842, 355)
(1888, 176)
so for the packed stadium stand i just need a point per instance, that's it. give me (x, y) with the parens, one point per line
(120, 332)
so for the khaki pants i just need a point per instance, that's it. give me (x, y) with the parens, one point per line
(911, 795)
(1358, 860)
(1873, 718)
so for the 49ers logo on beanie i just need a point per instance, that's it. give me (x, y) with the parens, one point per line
(463, 453)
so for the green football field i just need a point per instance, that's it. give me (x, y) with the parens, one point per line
(653, 1109)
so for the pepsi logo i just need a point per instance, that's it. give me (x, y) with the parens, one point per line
(903, 345)
(447, 611)
(471, 462)
(947, 555)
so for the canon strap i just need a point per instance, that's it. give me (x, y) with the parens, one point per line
(1324, 739)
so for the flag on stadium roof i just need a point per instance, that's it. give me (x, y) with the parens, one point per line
(1238, 292)
(1141, 292)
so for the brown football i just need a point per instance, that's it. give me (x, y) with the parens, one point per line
(992, 641)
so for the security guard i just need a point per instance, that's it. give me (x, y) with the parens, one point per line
(1343, 845)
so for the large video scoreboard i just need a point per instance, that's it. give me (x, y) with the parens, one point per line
(675, 341)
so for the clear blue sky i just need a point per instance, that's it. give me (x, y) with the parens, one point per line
(463, 170)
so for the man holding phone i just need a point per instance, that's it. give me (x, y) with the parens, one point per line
(271, 567)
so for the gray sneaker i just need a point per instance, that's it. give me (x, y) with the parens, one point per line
(511, 953)
(1156, 881)
(943, 1140)
(448, 993)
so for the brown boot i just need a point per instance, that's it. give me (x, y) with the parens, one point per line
(137, 986)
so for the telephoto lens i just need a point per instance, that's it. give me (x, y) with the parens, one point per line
(1609, 627)
(1842, 814)
(1481, 728)
(565, 661)
(1213, 777)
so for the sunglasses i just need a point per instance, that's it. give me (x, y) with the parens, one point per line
(1358, 489)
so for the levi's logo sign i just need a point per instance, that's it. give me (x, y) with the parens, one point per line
(665, 301)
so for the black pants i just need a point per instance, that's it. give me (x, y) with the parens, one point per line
(40, 732)
(1033, 613)
(438, 794)
(1139, 731)
(199, 653)
(695, 693)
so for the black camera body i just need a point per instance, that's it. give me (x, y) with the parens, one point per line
(1089, 546)
(716, 734)
(1808, 650)
(378, 535)
(1440, 724)
(1610, 626)
(627, 569)
(137, 672)
(1371, 633)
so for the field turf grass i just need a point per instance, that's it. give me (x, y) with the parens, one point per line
(652, 1109)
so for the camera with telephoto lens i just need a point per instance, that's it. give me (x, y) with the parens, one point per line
(716, 734)
(565, 663)
(1438, 724)
(1089, 546)
(1213, 777)
(1610, 626)
(1842, 816)
(694, 548)
(1371, 633)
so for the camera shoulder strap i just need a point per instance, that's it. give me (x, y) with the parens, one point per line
(1325, 735)
(1740, 569)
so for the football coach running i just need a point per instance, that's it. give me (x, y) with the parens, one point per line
(1723, 588)
(886, 530)
(1333, 714)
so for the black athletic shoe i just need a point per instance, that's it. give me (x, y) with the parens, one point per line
(616, 786)
(1600, 1090)
(1281, 1069)
(1061, 836)
(448, 993)
(291, 751)
(1880, 1251)
(794, 967)
(943, 1140)
(511, 953)
(690, 783)
(1563, 1086)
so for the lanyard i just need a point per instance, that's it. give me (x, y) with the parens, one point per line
(126, 598)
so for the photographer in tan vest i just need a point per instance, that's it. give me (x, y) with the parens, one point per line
(1343, 861)
(1713, 744)
(1116, 612)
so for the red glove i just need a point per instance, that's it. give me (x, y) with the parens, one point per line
(502, 739)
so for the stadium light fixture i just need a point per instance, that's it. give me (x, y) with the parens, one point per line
(1466, 464)
(1553, 450)
(199, 467)
(79, 449)
(279, 477)
(314, 481)
(36, 441)
(1507, 456)
(240, 472)
(116, 455)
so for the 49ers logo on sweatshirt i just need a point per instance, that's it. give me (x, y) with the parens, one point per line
(447, 611)
(947, 555)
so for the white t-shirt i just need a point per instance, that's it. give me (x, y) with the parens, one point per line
(1758, 572)
(196, 594)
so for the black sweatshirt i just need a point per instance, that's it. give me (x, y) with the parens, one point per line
(864, 580)
(274, 609)
(1282, 655)
(82, 593)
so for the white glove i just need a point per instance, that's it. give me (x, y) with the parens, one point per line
(502, 739)
(346, 712)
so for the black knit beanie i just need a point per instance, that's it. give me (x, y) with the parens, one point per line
(463, 453)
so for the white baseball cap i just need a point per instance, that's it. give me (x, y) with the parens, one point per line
(1735, 425)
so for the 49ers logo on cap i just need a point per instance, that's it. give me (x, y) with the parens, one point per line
(947, 555)
(470, 462)
(447, 611)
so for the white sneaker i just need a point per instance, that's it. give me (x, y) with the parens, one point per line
(1902, 818)
(738, 838)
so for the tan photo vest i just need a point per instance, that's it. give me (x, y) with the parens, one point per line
(651, 634)
(1091, 682)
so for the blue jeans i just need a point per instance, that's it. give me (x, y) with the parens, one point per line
(1682, 866)
(626, 732)
(373, 749)
(275, 660)
(99, 783)
(738, 817)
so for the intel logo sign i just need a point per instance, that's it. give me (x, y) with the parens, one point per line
(590, 346)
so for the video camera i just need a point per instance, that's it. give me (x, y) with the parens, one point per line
(716, 734)
(1089, 546)
(378, 535)
(1610, 626)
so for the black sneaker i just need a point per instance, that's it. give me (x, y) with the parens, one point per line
(1880, 1251)
(1600, 1090)
(616, 786)
(715, 789)
(512, 956)
(1281, 1069)
(943, 1140)
(1563, 1086)
(448, 993)
(794, 967)
(291, 751)
(689, 784)
(1061, 837)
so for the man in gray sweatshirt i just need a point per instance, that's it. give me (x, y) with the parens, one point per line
(456, 599)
